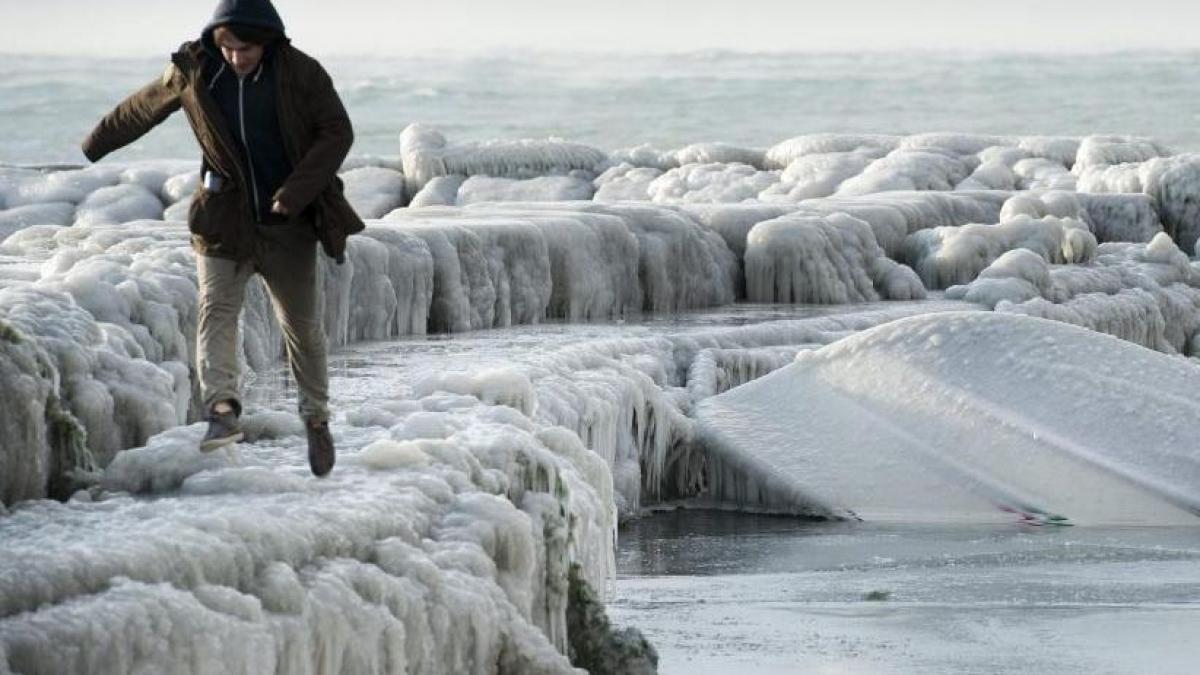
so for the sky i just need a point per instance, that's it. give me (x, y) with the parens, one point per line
(441, 27)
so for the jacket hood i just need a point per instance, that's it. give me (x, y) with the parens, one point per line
(258, 13)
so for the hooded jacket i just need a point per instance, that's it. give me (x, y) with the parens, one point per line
(313, 129)
(248, 104)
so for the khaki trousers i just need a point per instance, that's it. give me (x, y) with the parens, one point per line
(287, 262)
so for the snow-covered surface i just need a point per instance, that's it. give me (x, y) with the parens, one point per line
(440, 543)
(511, 466)
(972, 417)
(462, 490)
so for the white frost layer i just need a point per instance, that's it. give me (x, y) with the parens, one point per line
(629, 399)
(894, 215)
(681, 265)
(817, 175)
(488, 272)
(907, 170)
(1173, 182)
(35, 423)
(835, 259)
(439, 191)
(735, 182)
(625, 182)
(719, 153)
(441, 552)
(478, 189)
(1046, 419)
(586, 263)
(114, 307)
(786, 152)
(21, 217)
(946, 256)
(374, 191)
(1121, 217)
(1145, 293)
(426, 155)
(1100, 151)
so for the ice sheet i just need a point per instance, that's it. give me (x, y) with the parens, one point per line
(974, 417)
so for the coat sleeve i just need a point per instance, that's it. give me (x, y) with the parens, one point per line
(135, 116)
(332, 137)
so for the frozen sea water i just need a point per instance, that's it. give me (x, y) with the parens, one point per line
(725, 592)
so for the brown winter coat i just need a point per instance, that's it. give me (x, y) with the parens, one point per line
(315, 129)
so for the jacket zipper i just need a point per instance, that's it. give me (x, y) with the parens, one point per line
(246, 144)
(210, 112)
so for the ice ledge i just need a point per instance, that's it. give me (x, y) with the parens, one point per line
(971, 416)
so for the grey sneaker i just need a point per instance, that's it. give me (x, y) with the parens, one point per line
(223, 429)
(321, 454)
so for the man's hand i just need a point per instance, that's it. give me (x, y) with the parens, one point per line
(279, 208)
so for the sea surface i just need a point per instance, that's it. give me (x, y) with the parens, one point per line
(47, 105)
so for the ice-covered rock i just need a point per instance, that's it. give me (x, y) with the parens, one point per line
(154, 175)
(1121, 217)
(949, 143)
(374, 191)
(719, 153)
(894, 215)
(990, 175)
(831, 259)
(692, 183)
(465, 541)
(1144, 293)
(1058, 149)
(391, 287)
(716, 371)
(1048, 421)
(734, 221)
(20, 188)
(946, 256)
(905, 169)
(817, 175)
(427, 154)
(439, 191)
(41, 438)
(179, 211)
(488, 272)
(625, 182)
(644, 156)
(109, 391)
(1101, 151)
(1037, 173)
(119, 204)
(594, 261)
(21, 217)
(477, 189)
(782, 154)
(681, 265)
(180, 187)
(1173, 183)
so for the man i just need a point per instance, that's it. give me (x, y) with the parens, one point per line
(273, 133)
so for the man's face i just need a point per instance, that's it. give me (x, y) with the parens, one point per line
(243, 57)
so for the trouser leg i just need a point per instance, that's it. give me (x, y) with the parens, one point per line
(290, 272)
(222, 286)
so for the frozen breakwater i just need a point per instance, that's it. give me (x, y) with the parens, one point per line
(465, 499)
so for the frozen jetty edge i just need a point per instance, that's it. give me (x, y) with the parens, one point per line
(973, 418)
(444, 542)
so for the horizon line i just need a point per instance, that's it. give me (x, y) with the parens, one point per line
(524, 50)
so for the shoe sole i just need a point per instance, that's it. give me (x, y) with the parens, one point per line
(216, 443)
